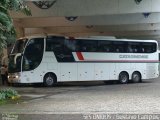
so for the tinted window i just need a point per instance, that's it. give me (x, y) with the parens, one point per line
(134, 47)
(62, 48)
(67, 45)
(70, 45)
(149, 47)
(105, 46)
(19, 46)
(120, 46)
(33, 54)
(14, 66)
(86, 46)
(112, 46)
(55, 44)
(141, 47)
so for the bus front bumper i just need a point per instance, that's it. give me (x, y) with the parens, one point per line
(14, 78)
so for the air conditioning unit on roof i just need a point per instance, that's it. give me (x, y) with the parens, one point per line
(103, 37)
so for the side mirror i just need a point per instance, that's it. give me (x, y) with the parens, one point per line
(16, 56)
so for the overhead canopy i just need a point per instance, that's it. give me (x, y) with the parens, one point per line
(121, 18)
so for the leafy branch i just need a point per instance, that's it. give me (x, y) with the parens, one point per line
(7, 30)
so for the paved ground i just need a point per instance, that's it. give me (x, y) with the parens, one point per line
(88, 97)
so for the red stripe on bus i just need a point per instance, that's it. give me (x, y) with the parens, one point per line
(80, 56)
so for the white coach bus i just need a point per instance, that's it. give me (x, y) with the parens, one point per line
(55, 59)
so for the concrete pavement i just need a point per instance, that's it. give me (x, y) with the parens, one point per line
(88, 97)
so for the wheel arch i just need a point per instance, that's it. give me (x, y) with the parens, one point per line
(123, 72)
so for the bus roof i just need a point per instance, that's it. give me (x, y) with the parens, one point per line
(109, 38)
(39, 36)
(30, 37)
(113, 39)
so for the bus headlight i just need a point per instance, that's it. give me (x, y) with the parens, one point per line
(16, 76)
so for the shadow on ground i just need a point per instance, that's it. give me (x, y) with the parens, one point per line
(79, 84)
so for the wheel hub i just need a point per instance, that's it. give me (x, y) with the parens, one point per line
(136, 77)
(49, 81)
(124, 78)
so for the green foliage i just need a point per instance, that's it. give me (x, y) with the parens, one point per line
(7, 30)
(8, 94)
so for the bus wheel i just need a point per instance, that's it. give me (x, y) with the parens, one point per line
(49, 80)
(136, 77)
(123, 77)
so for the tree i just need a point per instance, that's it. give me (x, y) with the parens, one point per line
(7, 30)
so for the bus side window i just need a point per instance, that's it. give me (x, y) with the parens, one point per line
(134, 47)
(70, 45)
(55, 44)
(143, 50)
(87, 45)
(78, 47)
(149, 47)
(104, 46)
(120, 46)
(130, 49)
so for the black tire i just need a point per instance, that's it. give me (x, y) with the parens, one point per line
(123, 77)
(136, 77)
(49, 80)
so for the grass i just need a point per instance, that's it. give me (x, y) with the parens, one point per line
(8, 96)
(3, 102)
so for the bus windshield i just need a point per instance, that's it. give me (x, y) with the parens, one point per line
(16, 56)
(14, 63)
(19, 46)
